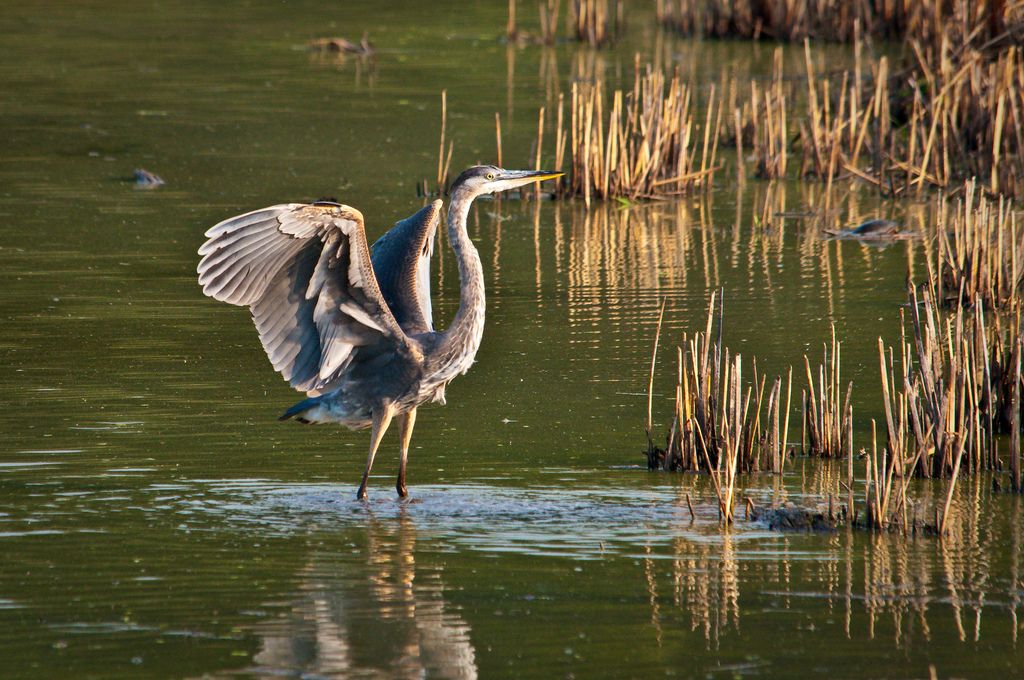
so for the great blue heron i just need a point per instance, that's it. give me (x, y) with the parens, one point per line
(349, 326)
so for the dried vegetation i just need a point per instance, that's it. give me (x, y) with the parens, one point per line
(951, 107)
(720, 424)
(594, 22)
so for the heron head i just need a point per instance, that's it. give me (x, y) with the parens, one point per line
(488, 179)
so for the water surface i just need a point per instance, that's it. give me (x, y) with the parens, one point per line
(155, 518)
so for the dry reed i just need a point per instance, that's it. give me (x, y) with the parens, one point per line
(593, 22)
(827, 416)
(1015, 418)
(759, 124)
(444, 160)
(721, 425)
(933, 121)
(950, 109)
(548, 11)
(980, 254)
(900, 128)
(590, 21)
(945, 406)
(648, 145)
(838, 20)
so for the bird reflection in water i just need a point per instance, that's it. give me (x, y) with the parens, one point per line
(393, 623)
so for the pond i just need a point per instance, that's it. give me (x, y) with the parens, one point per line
(157, 520)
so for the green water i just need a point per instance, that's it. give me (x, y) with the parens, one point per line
(157, 521)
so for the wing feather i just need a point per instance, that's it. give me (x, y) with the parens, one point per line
(401, 261)
(240, 222)
(292, 344)
(244, 248)
(229, 260)
(423, 282)
(305, 273)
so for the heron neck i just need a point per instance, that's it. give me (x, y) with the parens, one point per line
(462, 338)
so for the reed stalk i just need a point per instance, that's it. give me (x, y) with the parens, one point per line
(511, 29)
(981, 252)
(720, 425)
(647, 145)
(956, 389)
(1015, 453)
(594, 23)
(548, 11)
(650, 383)
(828, 416)
(444, 162)
(497, 138)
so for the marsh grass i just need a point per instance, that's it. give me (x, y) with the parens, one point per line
(828, 417)
(594, 22)
(948, 108)
(758, 123)
(939, 408)
(900, 132)
(721, 425)
(955, 386)
(944, 113)
(597, 22)
(839, 20)
(647, 145)
(980, 256)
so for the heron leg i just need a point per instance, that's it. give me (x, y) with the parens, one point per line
(381, 420)
(407, 422)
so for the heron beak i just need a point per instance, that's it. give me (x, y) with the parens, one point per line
(517, 178)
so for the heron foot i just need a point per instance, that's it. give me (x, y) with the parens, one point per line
(361, 493)
(403, 492)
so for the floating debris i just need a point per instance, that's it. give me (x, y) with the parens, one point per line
(144, 179)
(872, 230)
(363, 48)
(828, 517)
(791, 517)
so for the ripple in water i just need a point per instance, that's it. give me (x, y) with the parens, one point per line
(578, 523)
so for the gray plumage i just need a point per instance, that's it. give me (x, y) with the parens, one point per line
(351, 328)
(401, 262)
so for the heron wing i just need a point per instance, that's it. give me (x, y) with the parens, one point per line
(401, 261)
(305, 273)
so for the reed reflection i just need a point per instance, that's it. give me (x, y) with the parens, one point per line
(690, 243)
(615, 261)
(706, 584)
(882, 586)
(379, 618)
(613, 255)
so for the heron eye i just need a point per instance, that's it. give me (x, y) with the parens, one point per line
(490, 176)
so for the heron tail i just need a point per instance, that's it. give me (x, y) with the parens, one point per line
(299, 409)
